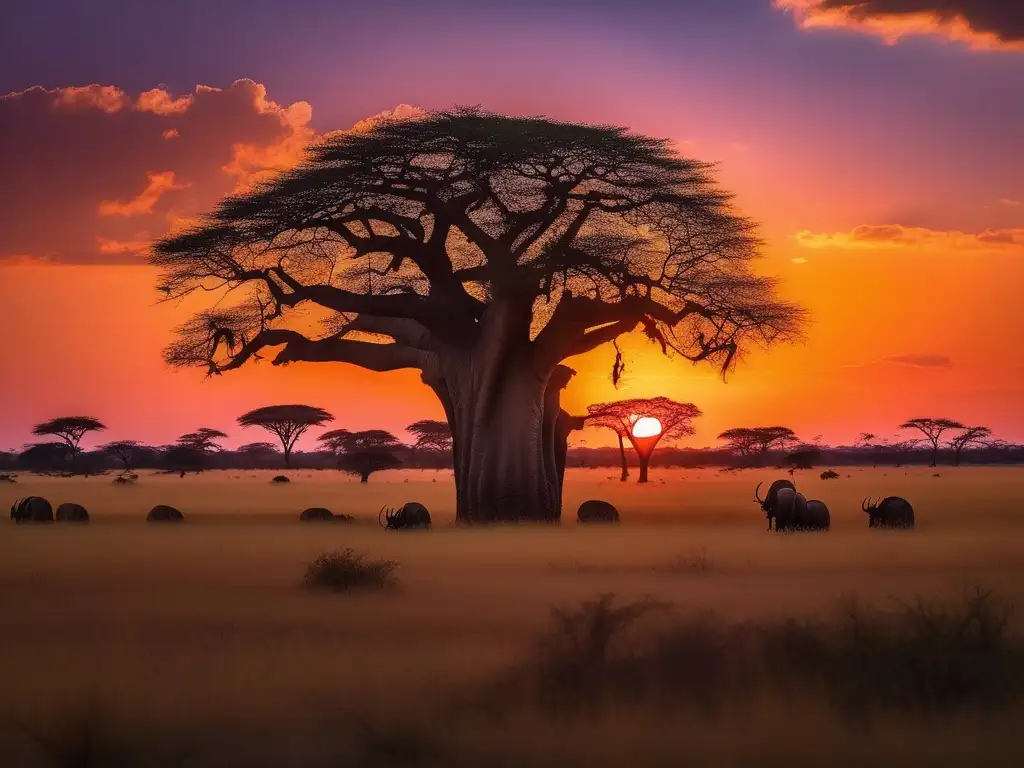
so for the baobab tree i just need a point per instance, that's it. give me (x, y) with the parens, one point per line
(373, 450)
(288, 422)
(674, 421)
(482, 251)
(69, 429)
(932, 429)
(747, 441)
(965, 439)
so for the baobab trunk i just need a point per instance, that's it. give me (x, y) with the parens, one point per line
(644, 462)
(622, 460)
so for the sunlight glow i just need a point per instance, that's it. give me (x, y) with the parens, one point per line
(646, 426)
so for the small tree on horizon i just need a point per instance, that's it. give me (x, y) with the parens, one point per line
(970, 436)
(125, 451)
(333, 440)
(44, 457)
(258, 449)
(747, 441)
(373, 450)
(621, 416)
(288, 422)
(932, 429)
(203, 439)
(430, 434)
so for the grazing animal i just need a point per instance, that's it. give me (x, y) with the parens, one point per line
(162, 513)
(410, 515)
(32, 509)
(828, 474)
(595, 511)
(72, 513)
(890, 512)
(280, 479)
(316, 514)
(770, 503)
(816, 517)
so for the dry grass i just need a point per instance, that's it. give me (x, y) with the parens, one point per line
(195, 645)
(347, 569)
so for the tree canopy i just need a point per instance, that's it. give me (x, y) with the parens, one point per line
(126, 451)
(288, 422)
(932, 429)
(431, 434)
(750, 440)
(621, 416)
(481, 250)
(204, 439)
(373, 450)
(965, 439)
(70, 429)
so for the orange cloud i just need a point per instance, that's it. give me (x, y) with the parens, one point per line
(896, 236)
(401, 112)
(105, 98)
(982, 24)
(1010, 202)
(160, 102)
(159, 185)
(171, 133)
(119, 246)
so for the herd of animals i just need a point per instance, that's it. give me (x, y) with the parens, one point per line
(785, 508)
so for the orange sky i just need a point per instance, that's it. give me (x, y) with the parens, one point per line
(892, 208)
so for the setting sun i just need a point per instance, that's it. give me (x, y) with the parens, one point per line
(646, 426)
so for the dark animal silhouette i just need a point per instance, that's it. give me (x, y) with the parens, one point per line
(72, 513)
(890, 512)
(770, 503)
(816, 517)
(595, 511)
(316, 514)
(408, 516)
(828, 474)
(125, 479)
(162, 513)
(280, 479)
(790, 510)
(32, 509)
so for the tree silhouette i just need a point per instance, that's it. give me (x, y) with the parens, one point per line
(933, 430)
(258, 449)
(183, 457)
(483, 251)
(44, 457)
(334, 440)
(620, 416)
(970, 436)
(69, 429)
(288, 422)
(746, 441)
(126, 451)
(203, 440)
(430, 434)
(363, 453)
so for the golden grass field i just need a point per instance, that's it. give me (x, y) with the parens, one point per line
(196, 645)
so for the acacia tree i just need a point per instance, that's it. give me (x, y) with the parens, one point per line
(258, 449)
(968, 437)
(932, 429)
(203, 440)
(288, 422)
(334, 439)
(44, 457)
(430, 434)
(373, 450)
(69, 429)
(746, 441)
(620, 416)
(481, 250)
(126, 451)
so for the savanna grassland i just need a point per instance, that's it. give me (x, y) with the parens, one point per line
(133, 644)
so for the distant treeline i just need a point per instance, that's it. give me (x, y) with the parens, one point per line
(94, 462)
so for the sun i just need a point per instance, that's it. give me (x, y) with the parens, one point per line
(646, 426)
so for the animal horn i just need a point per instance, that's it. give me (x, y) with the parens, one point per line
(864, 504)
(380, 514)
(757, 498)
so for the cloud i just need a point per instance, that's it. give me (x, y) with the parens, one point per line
(84, 165)
(868, 236)
(159, 184)
(920, 361)
(799, 260)
(982, 24)
(1010, 202)
(401, 112)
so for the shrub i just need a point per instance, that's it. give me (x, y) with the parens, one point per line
(346, 569)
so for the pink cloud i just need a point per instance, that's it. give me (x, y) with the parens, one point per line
(159, 184)
(896, 236)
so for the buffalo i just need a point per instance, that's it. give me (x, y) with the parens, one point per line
(32, 509)
(316, 514)
(408, 516)
(816, 517)
(72, 513)
(595, 511)
(771, 503)
(890, 512)
(162, 513)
